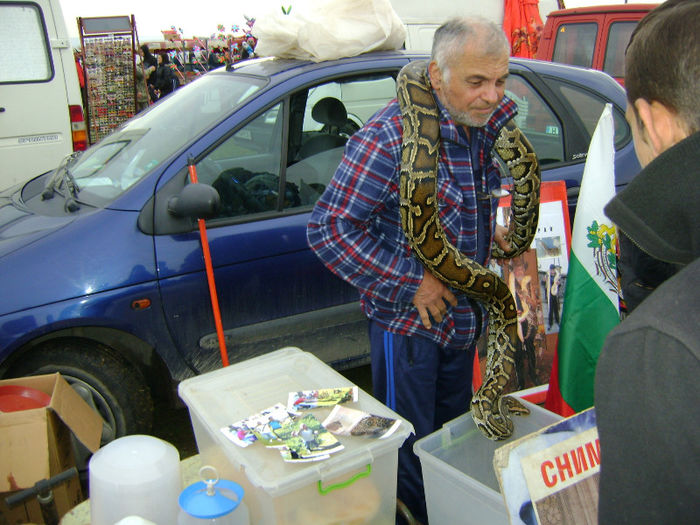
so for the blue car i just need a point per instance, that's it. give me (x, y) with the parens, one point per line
(101, 264)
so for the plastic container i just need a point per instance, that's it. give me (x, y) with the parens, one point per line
(135, 476)
(355, 485)
(212, 501)
(458, 474)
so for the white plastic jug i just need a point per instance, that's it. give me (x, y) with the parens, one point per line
(135, 475)
(212, 502)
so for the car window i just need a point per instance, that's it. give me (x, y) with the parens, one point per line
(322, 119)
(32, 61)
(536, 120)
(128, 154)
(588, 106)
(618, 37)
(245, 168)
(575, 44)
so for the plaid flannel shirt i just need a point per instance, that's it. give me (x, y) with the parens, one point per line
(355, 227)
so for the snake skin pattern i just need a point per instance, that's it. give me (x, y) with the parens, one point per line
(490, 408)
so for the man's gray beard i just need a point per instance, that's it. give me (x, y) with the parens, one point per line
(462, 117)
(465, 119)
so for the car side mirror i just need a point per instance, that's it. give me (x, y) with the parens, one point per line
(197, 201)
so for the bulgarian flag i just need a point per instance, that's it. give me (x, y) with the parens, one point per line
(591, 303)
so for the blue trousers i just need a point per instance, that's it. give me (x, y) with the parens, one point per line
(426, 384)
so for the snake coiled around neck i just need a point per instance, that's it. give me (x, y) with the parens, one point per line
(490, 407)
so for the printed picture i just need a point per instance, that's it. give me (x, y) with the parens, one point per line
(262, 427)
(532, 366)
(308, 399)
(344, 421)
(552, 262)
(304, 437)
(536, 490)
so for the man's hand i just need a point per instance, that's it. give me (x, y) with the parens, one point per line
(431, 298)
(500, 237)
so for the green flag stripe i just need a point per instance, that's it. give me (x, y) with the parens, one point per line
(587, 318)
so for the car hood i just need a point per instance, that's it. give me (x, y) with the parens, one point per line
(46, 258)
(20, 228)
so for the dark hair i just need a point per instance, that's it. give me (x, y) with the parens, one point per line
(662, 61)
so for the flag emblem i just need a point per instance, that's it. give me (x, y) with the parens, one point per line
(603, 239)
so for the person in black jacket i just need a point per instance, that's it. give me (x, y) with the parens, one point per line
(646, 385)
(165, 78)
(150, 64)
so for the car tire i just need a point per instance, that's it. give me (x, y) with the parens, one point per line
(116, 390)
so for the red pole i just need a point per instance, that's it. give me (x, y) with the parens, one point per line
(210, 273)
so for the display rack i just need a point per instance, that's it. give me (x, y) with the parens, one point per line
(108, 45)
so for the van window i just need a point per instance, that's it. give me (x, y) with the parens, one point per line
(618, 37)
(575, 44)
(23, 25)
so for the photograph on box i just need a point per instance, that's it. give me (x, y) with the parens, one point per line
(344, 421)
(261, 426)
(323, 397)
(300, 437)
(305, 438)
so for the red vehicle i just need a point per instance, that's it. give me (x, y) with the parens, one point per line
(594, 37)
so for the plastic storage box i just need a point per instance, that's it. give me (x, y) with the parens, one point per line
(458, 474)
(355, 485)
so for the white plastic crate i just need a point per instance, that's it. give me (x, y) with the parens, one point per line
(355, 485)
(458, 474)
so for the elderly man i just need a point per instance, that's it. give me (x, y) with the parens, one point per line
(422, 333)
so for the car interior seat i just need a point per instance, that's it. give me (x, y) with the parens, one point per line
(330, 112)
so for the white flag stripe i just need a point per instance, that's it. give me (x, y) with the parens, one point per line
(597, 188)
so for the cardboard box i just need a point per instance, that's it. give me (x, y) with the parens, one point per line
(36, 444)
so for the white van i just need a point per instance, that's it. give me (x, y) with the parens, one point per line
(41, 108)
(422, 19)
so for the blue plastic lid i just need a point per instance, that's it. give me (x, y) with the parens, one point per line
(211, 498)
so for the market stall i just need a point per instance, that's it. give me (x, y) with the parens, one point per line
(108, 47)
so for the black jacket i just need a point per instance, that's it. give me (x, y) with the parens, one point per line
(646, 384)
(654, 214)
(165, 79)
(646, 402)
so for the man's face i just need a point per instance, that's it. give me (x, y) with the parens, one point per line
(473, 87)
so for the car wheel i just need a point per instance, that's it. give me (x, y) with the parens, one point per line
(114, 389)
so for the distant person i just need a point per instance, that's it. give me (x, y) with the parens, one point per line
(646, 385)
(150, 64)
(142, 96)
(166, 80)
(79, 66)
(213, 61)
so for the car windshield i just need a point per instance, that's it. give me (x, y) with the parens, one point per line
(124, 157)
